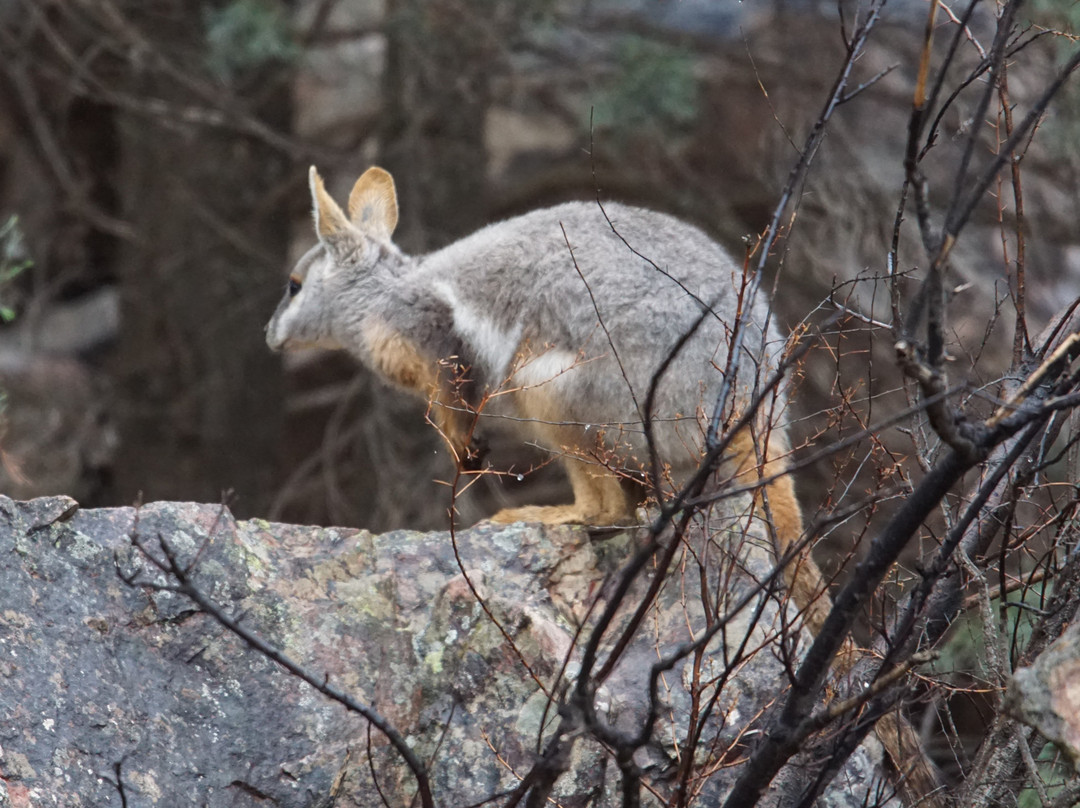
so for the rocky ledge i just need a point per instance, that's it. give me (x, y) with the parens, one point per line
(119, 692)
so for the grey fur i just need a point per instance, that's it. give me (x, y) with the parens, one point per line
(523, 305)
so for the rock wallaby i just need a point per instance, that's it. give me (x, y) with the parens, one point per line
(558, 319)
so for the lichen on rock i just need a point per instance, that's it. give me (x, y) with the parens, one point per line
(465, 642)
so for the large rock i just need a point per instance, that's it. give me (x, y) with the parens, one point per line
(1046, 695)
(115, 695)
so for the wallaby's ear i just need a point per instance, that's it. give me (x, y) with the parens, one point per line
(330, 220)
(343, 241)
(373, 203)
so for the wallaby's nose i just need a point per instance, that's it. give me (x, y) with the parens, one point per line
(272, 342)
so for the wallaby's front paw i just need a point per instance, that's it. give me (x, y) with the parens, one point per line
(474, 454)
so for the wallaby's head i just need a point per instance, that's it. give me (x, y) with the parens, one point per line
(332, 274)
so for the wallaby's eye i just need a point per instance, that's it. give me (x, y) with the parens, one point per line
(294, 287)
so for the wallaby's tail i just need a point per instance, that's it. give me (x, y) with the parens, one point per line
(775, 501)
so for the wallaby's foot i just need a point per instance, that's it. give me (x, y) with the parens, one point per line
(562, 515)
(599, 501)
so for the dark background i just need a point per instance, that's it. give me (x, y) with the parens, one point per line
(156, 154)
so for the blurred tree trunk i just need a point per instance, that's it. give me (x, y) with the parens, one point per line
(202, 406)
(440, 62)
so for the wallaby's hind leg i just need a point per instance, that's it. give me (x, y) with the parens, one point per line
(599, 500)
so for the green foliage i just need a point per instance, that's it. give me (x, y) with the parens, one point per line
(1055, 773)
(966, 652)
(966, 648)
(13, 260)
(245, 35)
(1063, 120)
(654, 90)
(1063, 15)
